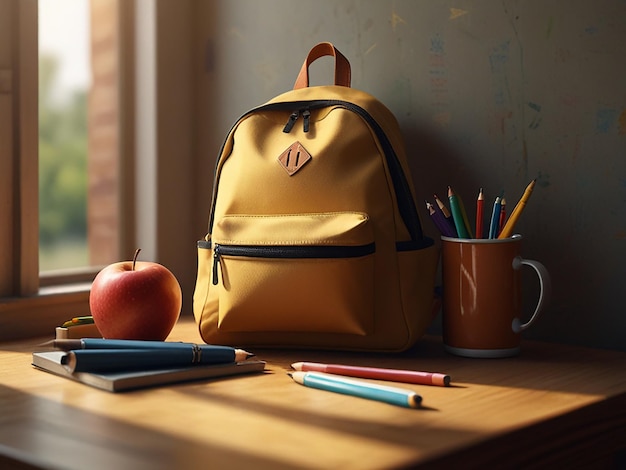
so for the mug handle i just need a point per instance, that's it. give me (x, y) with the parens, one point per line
(544, 293)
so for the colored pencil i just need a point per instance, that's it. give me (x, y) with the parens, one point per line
(443, 207)
(495, 218)
(86, 320)
(431, 212)
(104, 344)
(509, 226)
(110, 360)
(502, 215)
(440, 221)
(396, 375)
(480, 202)
(460, 219)
(358, 388)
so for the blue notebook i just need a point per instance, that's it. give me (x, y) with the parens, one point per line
(50, 361)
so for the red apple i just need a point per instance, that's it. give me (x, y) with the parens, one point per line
(135, 300)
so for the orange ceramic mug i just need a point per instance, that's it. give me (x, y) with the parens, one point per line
(482, 301)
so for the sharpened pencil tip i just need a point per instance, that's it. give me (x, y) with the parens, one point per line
(416, 401)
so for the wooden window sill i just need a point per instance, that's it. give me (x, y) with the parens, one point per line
(38, 315)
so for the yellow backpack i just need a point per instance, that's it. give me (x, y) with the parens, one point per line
(314, 239)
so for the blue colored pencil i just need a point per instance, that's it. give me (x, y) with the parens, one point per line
(110, 360)
(102, 343)
(494, 225)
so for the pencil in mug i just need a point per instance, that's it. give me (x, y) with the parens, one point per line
(509, 226)
(495, 218)
(440, 221)
(502, 215)
(480, 202)
(447, 216)
(459, 215)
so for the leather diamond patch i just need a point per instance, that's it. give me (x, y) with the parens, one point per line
(294, 158)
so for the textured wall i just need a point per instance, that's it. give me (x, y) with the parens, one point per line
(489, 94)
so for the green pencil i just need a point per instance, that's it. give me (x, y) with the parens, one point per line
(458, 215)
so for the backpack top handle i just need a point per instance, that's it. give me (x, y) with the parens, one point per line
(342, 66)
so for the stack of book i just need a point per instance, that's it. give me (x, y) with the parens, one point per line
(119, 365)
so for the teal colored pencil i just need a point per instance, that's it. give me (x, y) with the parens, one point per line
(466, 221)
(358, 388)
(456, 208)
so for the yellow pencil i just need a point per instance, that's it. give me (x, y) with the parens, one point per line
(507, 230)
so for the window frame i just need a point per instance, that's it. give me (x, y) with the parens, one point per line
(20, 283)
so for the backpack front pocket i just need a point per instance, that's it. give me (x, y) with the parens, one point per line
(294, 273)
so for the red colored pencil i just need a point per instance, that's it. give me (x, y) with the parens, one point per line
(502, 214)
(396, 375)
(480, 201)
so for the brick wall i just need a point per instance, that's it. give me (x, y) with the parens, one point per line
(103, 219)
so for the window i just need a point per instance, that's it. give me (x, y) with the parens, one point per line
(49, 232)
(64, 84)
(152, 135)
(79, 131)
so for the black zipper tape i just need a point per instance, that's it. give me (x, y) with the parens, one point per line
(289, 252)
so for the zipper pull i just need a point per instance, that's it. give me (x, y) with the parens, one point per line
(291, 122)
(216, 262)
(306, 114)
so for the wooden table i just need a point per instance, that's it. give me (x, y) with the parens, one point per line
(552, 404)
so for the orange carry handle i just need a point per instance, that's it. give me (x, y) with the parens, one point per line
(342, 66)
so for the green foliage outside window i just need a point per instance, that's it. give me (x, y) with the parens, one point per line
(62, 170)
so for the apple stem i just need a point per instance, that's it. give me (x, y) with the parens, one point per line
(135, 257)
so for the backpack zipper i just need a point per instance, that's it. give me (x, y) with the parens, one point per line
(292, 120)
(288, 252)
(404, 197)
(306, 115)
